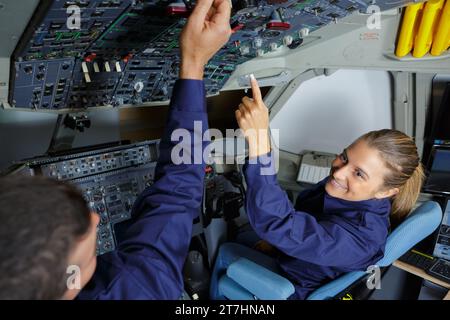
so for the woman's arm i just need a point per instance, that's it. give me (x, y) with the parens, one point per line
(332, 241)
(272, 215)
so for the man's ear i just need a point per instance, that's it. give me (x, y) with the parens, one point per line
(386, 193)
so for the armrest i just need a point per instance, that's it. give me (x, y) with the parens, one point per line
(261, 282)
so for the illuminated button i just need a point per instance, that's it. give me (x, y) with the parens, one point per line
(127, 57)
(118, 67)
(177, 8)
(96, 68)
(107, 67)
(90, 57)
(85, 69)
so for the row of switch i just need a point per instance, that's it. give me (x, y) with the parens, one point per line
(107, 67)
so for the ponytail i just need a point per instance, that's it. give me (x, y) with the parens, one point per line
(404, 201)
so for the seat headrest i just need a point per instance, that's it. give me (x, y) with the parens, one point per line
(416, 227)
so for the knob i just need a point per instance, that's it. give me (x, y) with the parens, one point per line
(244, 50)
(165, 90)
(304, 32)
(287, 40)
(257, 42)
(28, 69)
(138, 86)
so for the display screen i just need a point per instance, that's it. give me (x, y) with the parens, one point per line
(442, 127)
(438, 180)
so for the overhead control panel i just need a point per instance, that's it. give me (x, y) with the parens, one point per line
(82, 54)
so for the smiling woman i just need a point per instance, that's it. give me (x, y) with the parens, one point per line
(340, 225)
(380, 164)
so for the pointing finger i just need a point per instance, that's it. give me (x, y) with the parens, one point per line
(255, 89)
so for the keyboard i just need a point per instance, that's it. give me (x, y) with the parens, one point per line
(435, 267)
(315, 166)
(440, 270)
(418, 259)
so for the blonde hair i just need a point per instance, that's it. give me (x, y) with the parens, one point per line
(400, 155)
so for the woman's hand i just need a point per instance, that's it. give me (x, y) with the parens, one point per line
(253, 118)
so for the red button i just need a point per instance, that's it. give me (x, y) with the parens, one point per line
(237, 27)
(177, 10)
(278, 25)
(127, 57)
(90, 57)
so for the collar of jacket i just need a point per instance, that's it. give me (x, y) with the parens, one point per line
(336, 205)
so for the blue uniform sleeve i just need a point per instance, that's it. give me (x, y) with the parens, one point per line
(153, 245)
(328, 242)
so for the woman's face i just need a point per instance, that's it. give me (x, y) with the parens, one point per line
(357, 174)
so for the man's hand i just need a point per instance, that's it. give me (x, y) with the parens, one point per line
(206, 31)
(253, 119)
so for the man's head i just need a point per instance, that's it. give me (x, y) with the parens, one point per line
(45, 227)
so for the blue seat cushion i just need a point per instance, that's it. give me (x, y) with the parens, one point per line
(261, 282)
(233, 291)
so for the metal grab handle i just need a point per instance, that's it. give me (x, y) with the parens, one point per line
(279, 79)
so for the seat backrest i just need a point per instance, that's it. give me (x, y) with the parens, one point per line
(417, 226)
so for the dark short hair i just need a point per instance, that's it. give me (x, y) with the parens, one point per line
(40, 220)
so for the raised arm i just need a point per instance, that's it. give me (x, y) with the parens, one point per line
(165, 211)
(153, 245)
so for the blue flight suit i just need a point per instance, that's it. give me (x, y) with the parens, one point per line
(321, 237)
(153, 245)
